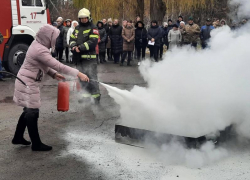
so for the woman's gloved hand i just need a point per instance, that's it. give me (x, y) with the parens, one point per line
(83, 77)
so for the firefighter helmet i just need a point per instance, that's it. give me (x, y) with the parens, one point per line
(84, 13)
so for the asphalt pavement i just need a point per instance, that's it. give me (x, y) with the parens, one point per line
(84, 146)
(85, 120)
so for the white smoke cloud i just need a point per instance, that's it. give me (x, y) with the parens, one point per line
(244, 6)
(175, 153)
(193, 93)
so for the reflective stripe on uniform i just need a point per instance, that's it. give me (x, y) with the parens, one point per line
(89, 56)
(93, 36)
(76, 31)
(89, 95)
(86, 45)
(86, 95)
(72, 42)
(96, 95)
(86, 31)
(72, 36)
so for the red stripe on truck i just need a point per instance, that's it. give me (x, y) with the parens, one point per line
(5, 23)
(18, 12)
(48, 16)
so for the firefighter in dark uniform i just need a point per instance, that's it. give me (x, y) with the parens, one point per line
(83, 42)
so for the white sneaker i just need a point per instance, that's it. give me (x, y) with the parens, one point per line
(139, 63)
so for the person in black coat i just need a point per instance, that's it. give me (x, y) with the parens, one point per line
(65, 45)
(102, 43)
(60, 39)
(178, 22)
(115, 34)
(105, 25)
(141, 40)
(163, 39)
(170, 25)
(165, 33)
(154, 35)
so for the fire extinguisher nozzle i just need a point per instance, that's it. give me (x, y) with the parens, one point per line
(94, 80)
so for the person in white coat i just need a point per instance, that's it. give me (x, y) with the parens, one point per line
(70, 31)
(174, 37)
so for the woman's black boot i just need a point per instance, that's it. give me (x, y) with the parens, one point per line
(32, 118)
(20, 128)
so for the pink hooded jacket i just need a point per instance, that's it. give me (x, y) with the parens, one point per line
(38, 62)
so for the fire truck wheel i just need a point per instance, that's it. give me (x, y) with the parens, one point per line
(16, 57)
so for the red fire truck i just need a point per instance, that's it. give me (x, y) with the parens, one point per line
(19, 22)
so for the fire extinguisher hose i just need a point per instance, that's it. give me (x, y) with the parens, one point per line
(4, 72)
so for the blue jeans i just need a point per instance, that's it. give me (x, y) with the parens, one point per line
(1, 76)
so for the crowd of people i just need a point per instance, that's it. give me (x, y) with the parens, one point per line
(128, 41)
(85, 44)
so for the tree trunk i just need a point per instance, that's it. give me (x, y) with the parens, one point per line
(157, 10)
(140, 9)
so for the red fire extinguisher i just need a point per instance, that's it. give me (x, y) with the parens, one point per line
(63, 96)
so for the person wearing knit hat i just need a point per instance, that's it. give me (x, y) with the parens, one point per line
(180, 18)
(181, 28)
(175, 25)
(223, 22)
(59, 19)
(154, 21)
(170, 24)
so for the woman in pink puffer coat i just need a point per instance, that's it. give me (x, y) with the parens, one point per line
(38, 62)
